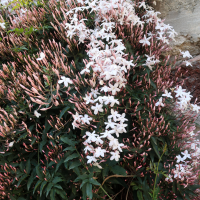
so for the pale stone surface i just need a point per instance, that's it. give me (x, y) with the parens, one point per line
(184, 16)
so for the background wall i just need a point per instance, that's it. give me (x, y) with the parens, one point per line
(184, 16)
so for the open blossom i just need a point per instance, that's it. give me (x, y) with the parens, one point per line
(11, 144)
(179, 159)
(167, 94)
(91, 137)
(179, 91)
(86, 119)
(2, 25)
(195, 107)
(97, 108)
(115, 156)
(65, 80)
(145, 41)
(42, 56)
(77, 117)
(99, 152)
(185, 154)
(186, 54)
(187, 63)
(159, 103)
(114, 115)
(91, 159)
(37, 114)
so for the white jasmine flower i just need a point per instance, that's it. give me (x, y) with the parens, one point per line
(88, 148)
(11, 144)
(142, 4)
(167, 94)
(177, 174)
(97, 108)
(193, 146)
(191, 133)
(91, 159)
(2, 24)
(115, 156)
(114, 88)
(179, 159)
(97, 165)
(88, 99)
(114, 144)
(186, 54)
(99, 152)
(195, 107)
(94, 93)
(145, 41)
(77, 117)
(98, 140)
(172, 34)
(159, 103)
(110, 124)
(42, 56)
(107, 134)
(101, 82)
(91, 137)
(65, 80)
(110, 99)
(187, 63)
(186, 154)
(114, 115)
(179, 91)
(169, 178)
(105, 89)
(121, 127)
(86, 119)
(37, 114)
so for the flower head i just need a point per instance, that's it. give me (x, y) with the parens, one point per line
(42, 55)
(37, 114)
(65, 80)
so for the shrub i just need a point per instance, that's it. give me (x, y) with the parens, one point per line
(86, 108)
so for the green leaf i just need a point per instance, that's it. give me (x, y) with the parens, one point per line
(69, 149)
(68, 141)
(155, 147)
(30, 180)
(81, 177)
(89, 192)
(57, 179)
(105, 171)
(154, 85)
(61, 193)
(28, 166)
(94, 182)
(58, 186)
(36, 185)
(64, 111)
(74, 155)
(33, 140)
(42, 144)
(58, 164)
(84, 182)
(52, 194)
(42, 187)
(118, 170)
(12, 198)
(39, 172)
(139, 195)
(21, 179)
(50, 185)
(74, 164)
